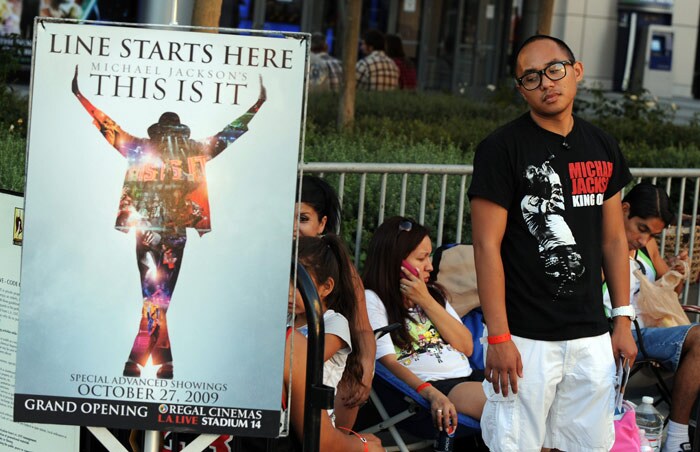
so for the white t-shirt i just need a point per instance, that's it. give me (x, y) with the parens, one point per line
(649, 271)
(336, 324)
(431, 357)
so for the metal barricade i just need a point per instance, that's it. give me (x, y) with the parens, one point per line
(369, 192)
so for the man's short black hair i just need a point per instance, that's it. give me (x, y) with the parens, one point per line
(374, 38)
(649, 201)
(562, 45)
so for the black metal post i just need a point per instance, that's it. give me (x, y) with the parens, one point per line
(318, 396)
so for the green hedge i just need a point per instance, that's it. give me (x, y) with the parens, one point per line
(385, 121)
(426, 128)
(434, 128)
(12, 152)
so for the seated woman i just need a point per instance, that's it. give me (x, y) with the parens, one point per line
(647, 212)
(332, 439)
(429, 352)
(327, 262)
(318, 213)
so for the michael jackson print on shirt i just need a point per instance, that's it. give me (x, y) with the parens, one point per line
(542, 208)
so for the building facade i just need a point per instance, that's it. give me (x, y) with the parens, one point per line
(458, 46)
(633, 45)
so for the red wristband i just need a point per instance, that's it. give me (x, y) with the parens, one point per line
(362, 438)
(499, 339)
(422, 386)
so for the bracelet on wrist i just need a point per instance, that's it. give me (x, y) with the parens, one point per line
(423, 386)
(499, 339)
(362, 438)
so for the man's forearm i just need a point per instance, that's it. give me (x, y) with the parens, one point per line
(490, 279)
(616, 269)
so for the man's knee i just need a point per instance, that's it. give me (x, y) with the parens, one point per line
(692, 341)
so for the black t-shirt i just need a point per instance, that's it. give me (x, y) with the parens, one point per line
(553, 188)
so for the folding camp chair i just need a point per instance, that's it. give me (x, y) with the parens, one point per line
(403, 410)
(661, 377)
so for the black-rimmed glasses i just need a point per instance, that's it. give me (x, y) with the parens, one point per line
(554, 71)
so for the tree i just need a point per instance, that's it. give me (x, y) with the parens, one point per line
(206, 13)
(544, 19)
(351, 36)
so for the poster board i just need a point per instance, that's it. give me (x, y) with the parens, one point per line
(18, 436)
(161, 177)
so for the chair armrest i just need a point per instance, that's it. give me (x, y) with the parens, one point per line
(690, 309)
(474, 321)
(379, 332)
(384, 374)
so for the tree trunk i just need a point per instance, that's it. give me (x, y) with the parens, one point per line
(544, 21)
(346, 110)
(206, 13)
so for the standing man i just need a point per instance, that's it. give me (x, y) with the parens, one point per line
(376, 71)
(325, 72)
(546, 217)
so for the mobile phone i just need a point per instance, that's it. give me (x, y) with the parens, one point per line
(413, 270)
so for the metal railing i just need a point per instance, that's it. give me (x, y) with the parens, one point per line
(384, 189)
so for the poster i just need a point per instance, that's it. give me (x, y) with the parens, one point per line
(160, 195)
(18, 436)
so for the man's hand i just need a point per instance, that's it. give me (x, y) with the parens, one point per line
(677, 262)
(503, 366)
(622, 340)
(74, 86)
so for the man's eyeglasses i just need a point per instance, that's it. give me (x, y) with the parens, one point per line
(554, 71)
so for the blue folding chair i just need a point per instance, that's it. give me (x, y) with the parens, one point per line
(402, 409)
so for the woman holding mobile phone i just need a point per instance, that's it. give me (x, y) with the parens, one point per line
(429, 352)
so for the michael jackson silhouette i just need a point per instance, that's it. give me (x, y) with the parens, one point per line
(543, 211)
(164, 193)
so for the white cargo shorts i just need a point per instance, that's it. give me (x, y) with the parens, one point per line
(565, 399)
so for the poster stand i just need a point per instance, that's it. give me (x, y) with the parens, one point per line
(317, 395)
(151, 439)
(108, 440)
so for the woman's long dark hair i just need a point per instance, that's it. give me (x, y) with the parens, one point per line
(327, 257)
(392, 242)
(317, 193)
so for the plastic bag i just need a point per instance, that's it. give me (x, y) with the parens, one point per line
(658, 301)
(626, 431)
